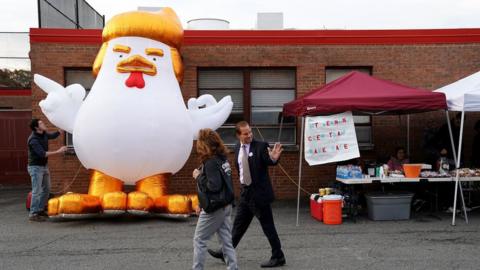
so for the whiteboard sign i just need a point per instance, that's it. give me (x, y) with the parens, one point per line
(330, 138)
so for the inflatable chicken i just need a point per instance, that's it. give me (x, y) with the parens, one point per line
(133, 127)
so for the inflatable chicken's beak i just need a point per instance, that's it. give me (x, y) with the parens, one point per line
(137, 63)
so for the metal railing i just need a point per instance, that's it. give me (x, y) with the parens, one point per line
(70, 14)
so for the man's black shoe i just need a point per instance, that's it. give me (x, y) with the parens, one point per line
(216, 254)
(274, 262)
(42, 213)
(36, 218)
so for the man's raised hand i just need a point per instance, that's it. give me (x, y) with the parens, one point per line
(275, 152)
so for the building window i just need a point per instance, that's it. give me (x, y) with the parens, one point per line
(258, 96)
(83, 77)
(363, 123)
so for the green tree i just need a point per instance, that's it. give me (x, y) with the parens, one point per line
(17, 78)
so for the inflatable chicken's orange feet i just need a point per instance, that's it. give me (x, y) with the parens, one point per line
(106, 196)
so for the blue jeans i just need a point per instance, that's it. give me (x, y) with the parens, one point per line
(40, 176)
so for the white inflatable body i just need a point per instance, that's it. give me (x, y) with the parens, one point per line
(131, 132)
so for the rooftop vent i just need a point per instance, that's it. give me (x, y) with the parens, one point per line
(208, 24)
(151, 9)
(269, 21)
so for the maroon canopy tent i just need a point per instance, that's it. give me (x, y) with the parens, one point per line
(361, 93)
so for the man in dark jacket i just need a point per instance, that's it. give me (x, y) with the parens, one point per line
(37, 167)
(252, 159)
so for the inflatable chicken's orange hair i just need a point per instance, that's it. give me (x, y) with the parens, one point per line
(163, 26)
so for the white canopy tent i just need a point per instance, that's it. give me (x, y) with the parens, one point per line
(462, 96)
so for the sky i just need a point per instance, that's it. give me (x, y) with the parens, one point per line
(20, 15)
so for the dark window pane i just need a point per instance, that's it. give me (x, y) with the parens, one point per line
(266, 116)
(364, 134)
(83, 77)
(235, 117)
(69, 141)
(236, 95)
(227, 134)
(272, 78)
(270, 134)
(267, 105)
(271, 97)
(361, 119)
(220, 79)
(269, 89)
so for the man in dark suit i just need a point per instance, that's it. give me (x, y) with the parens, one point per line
(252, 159)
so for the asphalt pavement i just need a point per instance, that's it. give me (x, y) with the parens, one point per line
(423, 242)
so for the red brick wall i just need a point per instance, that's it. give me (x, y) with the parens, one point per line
(15, 102)
(426, 66)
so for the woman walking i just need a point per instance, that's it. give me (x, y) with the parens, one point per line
(215, 195)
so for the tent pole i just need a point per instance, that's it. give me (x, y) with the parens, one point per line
(281, 127)
(408, 135)
(300, 166)
(278, 140)
(451, 138)
(454, 210)
(457, 176)
(456, 159)
(462, 126)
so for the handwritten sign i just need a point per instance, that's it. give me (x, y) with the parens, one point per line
(330, 138)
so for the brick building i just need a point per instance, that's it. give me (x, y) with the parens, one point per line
(15, 115)
(13, 99)
(261, 70)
